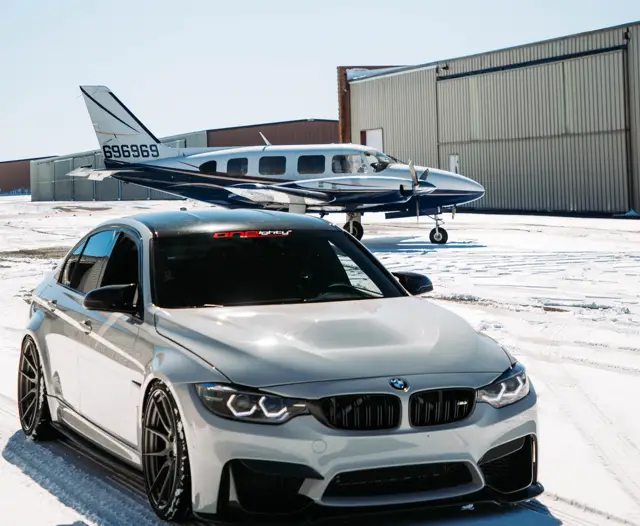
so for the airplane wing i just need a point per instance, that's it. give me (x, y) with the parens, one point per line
(271, 194)
(93, 174)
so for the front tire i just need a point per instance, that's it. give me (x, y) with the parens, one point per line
(165, 458)
(439, 236)
(357, 231)
(33, 408)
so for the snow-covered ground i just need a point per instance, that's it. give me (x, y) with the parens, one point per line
(562, 294)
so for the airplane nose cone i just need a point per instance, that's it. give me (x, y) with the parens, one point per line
(463, 188)
(475, 186)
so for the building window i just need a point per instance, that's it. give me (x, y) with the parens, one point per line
(311, 164)
(238, 166)
(347, 164)
(272, 165)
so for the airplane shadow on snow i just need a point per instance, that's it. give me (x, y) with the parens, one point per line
(86, 487)
(408, 244)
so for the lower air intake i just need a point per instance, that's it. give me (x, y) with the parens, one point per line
(271, 490)
(399, 480)
(511, 467)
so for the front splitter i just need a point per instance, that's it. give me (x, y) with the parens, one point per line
(318, 514)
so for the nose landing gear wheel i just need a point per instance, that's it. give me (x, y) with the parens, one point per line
(357, 231)
(438, 236)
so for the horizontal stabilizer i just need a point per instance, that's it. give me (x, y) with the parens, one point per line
(272, 194)
(93, 174)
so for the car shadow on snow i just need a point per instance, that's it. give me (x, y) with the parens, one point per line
(408, 244)
(94, 493)
(78, 483)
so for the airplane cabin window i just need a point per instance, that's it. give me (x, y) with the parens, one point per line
(311, 164)
(238, 166)
(272, 165)
(347, 164)
(209, 167)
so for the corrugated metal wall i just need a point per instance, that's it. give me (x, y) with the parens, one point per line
(404, 107)
(548, 137)
(545, 137)
(633, 62)
(49, 181)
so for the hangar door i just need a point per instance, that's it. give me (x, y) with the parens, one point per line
(548, 137)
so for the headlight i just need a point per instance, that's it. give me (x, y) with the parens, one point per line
(249, 406)
(512, 386)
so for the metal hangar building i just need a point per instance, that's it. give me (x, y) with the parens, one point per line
(552, 126)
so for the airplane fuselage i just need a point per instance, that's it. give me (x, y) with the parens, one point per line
(322, 178)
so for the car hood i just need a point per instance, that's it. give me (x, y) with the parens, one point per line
(284, 344)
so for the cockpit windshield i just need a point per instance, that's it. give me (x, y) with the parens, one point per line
(378, 160)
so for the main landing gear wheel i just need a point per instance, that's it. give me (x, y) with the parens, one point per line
(33, 408)
(354, 228)
(165, 459)
(438, 236)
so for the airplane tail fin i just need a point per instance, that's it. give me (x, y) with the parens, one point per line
(121, 135)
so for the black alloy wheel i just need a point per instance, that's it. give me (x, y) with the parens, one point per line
(33, 408)
(165, 458)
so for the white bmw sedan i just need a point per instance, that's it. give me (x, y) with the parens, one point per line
(252, 362)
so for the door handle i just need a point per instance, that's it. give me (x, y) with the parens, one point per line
(52, 304)
(86, 326)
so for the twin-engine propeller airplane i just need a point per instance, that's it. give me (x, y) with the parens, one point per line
(326, 178)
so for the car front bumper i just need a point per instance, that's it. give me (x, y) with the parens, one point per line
(304, 465)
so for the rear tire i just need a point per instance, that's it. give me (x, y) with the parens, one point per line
(165, 458)
(33, 407)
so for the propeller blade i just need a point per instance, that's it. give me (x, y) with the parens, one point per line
(412, 171)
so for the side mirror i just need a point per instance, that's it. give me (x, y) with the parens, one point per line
(112, 298)
(414, 283)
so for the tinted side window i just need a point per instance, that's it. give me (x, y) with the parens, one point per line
(238, 166)
(71, 263)
(272, 165)
(311, 164)
(122, 268)
(89, 269)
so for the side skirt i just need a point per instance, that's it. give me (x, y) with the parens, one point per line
(69, 419)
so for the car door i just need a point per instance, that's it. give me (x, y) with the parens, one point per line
(61, 303)
(110, 371)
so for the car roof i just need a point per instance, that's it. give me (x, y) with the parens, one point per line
(176, 222)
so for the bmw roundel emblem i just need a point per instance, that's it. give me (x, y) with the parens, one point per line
(399, 384)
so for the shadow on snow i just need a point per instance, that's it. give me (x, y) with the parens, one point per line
(410, 244)
(89, 489)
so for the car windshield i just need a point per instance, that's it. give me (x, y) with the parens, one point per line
(251, 268)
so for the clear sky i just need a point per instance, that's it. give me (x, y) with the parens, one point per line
(186, 65)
